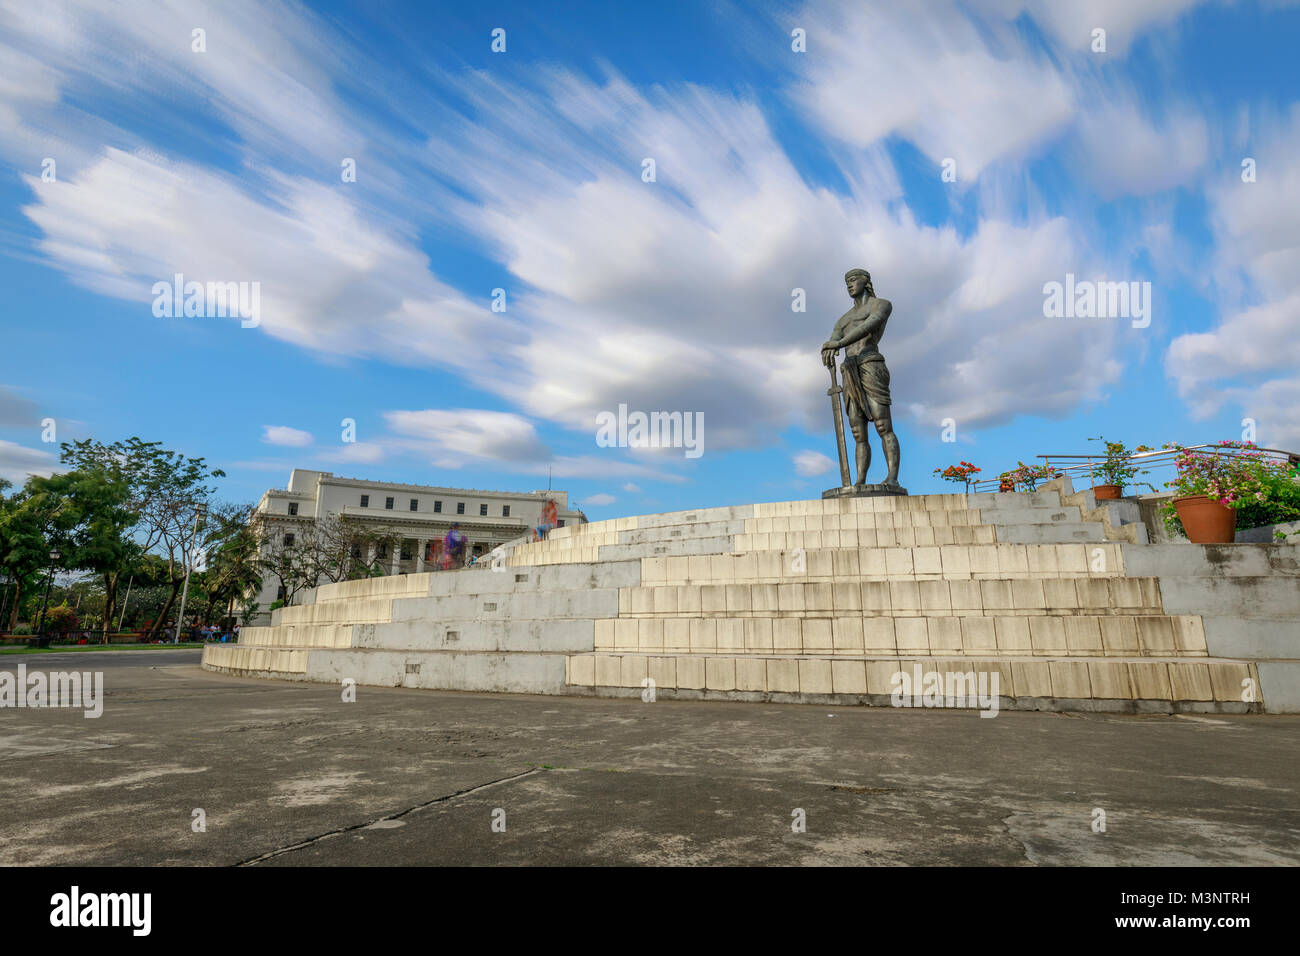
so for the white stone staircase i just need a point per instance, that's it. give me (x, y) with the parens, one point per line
(805, 601)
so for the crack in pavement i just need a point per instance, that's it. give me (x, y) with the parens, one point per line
(253, 861)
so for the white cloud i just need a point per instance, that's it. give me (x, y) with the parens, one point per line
(17, 409)
(598, 501)
(368, 453)
(1121, 152)
(632, 489)
(1071, 22)
(453, 437)
(17, 462)
(666, 296)
(810, 463)
(284, 435)
(954, 87)
(1252, 355)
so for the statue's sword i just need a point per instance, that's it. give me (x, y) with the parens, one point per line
(834, 392)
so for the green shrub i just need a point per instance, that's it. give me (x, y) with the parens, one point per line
(22, 629)
(1263, 491)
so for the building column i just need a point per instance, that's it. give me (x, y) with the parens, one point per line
(419, 555)
(397, 556)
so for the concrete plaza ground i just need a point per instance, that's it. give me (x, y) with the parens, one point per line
(289, 774)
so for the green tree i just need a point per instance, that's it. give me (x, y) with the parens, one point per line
(31, 523)
(98, 521)
(165, 490)
(232, 566)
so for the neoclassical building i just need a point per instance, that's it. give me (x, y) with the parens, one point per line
(420, 514)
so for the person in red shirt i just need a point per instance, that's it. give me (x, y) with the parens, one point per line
(549, 519)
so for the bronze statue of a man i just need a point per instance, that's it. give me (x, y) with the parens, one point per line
(866, 379)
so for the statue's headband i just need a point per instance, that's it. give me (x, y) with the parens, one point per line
(857, 272)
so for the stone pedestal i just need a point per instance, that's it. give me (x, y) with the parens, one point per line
(864, 491)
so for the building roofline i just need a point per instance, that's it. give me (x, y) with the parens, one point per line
(398, 486)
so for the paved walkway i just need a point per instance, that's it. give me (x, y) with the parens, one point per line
(289, 774)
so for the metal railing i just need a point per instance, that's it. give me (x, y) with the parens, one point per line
(1156, 461)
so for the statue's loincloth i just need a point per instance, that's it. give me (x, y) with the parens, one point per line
(866, 381)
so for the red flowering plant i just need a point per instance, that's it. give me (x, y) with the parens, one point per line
(1026, 477)
(963, 472)
(1262, 489)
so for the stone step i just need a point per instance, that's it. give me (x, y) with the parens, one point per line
(889, 504)
(387, 586)
(1061, 533)
(1214, 560)
(1065, 595)
(274, 662)
(299, 635)
(1142, 685)
(1081, 635)
(828, 522)
(1237, 596)
(959, 562)
(335, 612)
(582, 603)
(511, 635)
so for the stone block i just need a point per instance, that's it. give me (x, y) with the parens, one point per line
(1032, 678)
(815, 675)
(878, 636)
(782, 675)
(720, 673)
(911, 636)
(690, 673)
(1190, 681)
(1013, 635)
(1150, 680)
(1070, 679)
(751, 673)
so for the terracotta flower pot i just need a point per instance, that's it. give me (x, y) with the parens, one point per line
(1107, 492)
(1205, 520)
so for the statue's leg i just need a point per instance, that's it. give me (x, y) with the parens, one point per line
(888, 442)
(858, 423)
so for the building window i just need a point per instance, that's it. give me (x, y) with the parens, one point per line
(437, 507)
(281, 593)
(415, 504)
(460, 507)
(407, 552)
(505, 511)
(383, 551)
(482, 510)
(388, 503)
(288, 540)
(559, 523)
(365, 501)
(293, 508)
(356, 552)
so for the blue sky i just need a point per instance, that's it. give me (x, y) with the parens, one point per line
(775, 170)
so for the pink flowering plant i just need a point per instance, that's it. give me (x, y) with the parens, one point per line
(1260, 488)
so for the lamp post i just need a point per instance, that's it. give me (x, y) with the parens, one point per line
(199, 511)
(40, 627)
(4, 599)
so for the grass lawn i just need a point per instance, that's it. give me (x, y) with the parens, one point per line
(93, 647)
